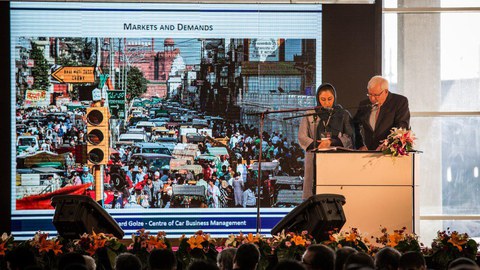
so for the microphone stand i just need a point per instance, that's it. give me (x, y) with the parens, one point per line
(260, 152)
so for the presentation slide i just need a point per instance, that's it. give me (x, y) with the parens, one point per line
(153, 110)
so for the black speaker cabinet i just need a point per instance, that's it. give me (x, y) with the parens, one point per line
(318, 215)
(77, 214)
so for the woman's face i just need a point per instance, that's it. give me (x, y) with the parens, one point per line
(326, 99)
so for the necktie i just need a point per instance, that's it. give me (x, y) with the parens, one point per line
(374, 116)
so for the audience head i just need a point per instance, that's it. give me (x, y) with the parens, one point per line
(90, 262)
(341, 256)
(162, 259)
(20, 258)
(202, 265)
(359, 260)
(127, 261)
(76, 266)
(70, 258)
(462, 263)
(246, 257)
(289, 265)
(387, 259)
(225, 258)
(412, 260)
(319, 257)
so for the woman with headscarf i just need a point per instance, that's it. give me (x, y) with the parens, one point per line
(327, 126)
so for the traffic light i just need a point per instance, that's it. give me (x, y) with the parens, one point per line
(98, 136)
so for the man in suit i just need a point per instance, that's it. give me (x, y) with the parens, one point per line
(378, 114)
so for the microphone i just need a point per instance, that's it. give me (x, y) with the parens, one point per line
(373, 105)
(327, 109)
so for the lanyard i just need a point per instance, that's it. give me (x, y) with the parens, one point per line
(325, 124)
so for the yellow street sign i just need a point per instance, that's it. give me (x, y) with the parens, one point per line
(74, 74)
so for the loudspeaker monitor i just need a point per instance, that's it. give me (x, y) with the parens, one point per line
(318, 215)
(78, 214)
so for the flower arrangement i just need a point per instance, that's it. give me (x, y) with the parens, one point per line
(399, 240)
(46, 250)
(6, 244)
(448, 246)
(98, 245)
(198, 246)
(291, 245)
(143, 241)
(398, 143)
(352, 238)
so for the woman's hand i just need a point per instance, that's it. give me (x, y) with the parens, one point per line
(324, 143)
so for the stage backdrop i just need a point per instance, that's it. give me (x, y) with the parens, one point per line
(224, 62)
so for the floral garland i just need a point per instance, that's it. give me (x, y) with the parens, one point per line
(446, 247)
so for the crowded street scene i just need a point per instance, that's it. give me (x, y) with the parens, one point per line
(182, 136)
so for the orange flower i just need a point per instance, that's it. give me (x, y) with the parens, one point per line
(99, 243)
(251, 239)
(91, 249)
(298, 240)
(45, 245)
(457, 241)
(2, 249)
(155, 243)
(393, 239)
(196, 241)
(331, 239)
(56, 247)
(351, 237)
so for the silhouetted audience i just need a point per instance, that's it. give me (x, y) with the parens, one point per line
(225, 258)
(70, 258)
(462, 263)
(319, 257)
(202, 265)
(90, 262)
(20, 258)
(246, 257)
(162, 259)
(359, 260)
(127, 261)
(341, 256)
(387, 259)
(412, 260)
(289, 265)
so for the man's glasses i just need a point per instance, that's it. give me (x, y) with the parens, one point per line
(376, 95)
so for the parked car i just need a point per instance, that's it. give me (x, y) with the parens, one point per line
(132, 137)
(150, 148)
(154, 162)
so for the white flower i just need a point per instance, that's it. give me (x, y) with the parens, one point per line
(5, 237)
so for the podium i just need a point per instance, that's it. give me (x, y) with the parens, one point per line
(379, 190)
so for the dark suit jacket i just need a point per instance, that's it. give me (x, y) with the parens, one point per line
(393, 113)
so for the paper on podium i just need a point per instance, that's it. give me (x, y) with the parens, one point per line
(334, 148)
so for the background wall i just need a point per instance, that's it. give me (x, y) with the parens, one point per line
(352, 49)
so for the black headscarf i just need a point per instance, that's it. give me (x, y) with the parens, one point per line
(326, 87)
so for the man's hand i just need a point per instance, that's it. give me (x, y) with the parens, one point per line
(363, 148)
(324, 143)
